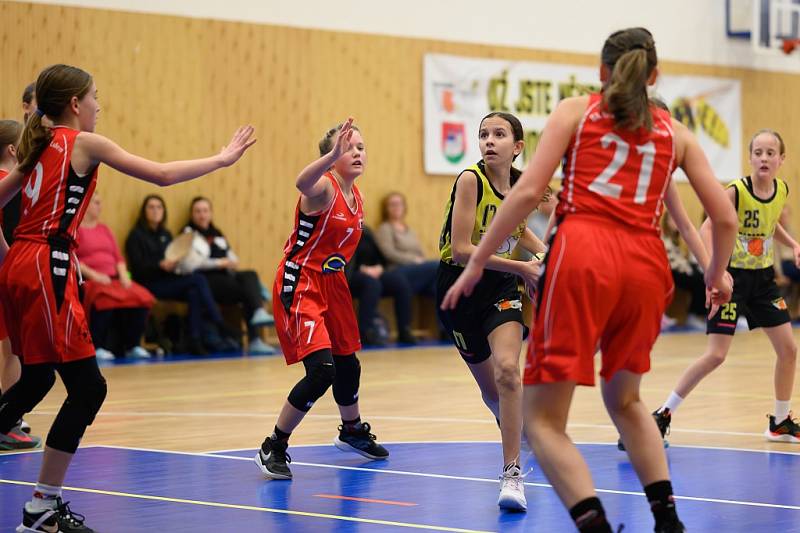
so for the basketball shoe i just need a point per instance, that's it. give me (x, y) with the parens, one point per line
(17, 439)
(273, 460)
(360, 441)
(60, 519)
(787, 431)
(512, 489)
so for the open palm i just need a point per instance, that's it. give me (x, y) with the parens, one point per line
(240, 142)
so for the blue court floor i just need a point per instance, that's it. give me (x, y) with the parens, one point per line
(427, 486)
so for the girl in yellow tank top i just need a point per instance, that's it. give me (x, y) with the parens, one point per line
(759, 199)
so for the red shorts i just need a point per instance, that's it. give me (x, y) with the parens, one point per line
(43, 314)
(314, 313)
(605, 286)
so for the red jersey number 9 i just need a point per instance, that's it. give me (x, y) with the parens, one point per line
(34, 185)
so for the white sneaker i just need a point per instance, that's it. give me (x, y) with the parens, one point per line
(261, 318)
(104, 355)
(259, 347)
(138, 352)
(512, 489)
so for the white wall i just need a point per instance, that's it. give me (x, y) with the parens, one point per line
(690, 31)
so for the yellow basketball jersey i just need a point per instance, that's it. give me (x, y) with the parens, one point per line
(757, 220)
(489, 201)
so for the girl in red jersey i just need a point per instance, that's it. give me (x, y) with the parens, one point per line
(38, 282)
(313, 308)
(10, 367)
(606, 277)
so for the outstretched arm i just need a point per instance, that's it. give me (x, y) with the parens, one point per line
(99, 149)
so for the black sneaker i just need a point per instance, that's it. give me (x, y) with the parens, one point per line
(663, 420)
(786, 431)
(59, 520)
(273, 460)
(360, 441)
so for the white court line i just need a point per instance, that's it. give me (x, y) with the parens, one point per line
(461, 478)
(622, 454)
(418, 419)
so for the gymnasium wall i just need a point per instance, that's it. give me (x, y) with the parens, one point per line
(173, 87)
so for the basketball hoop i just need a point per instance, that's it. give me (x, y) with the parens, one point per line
(789, 45)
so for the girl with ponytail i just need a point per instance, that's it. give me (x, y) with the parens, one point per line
(59, 156)
(606, 269)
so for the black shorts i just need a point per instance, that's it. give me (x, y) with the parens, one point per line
(495, 301)
(756, 296)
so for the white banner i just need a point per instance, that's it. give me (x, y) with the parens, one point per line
(459, 92)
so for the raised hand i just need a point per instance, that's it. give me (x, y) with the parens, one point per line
(342, 142)
(240, 142)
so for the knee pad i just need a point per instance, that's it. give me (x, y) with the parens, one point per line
(348, 379)
(77, 413)
(319, 377)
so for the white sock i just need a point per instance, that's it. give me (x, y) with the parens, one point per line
(781, 410)
(672, 403)
(44, 497)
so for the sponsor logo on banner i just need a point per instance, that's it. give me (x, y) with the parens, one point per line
(454, 141)
(460, 91)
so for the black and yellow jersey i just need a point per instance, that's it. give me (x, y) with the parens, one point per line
(489, 200)
(757, 221)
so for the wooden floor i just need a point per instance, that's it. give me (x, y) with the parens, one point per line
(421, 394)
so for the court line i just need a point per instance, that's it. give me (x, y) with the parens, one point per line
(418, 419)
(464, 478)
(528, 483)
(254, 508)
(365, 500)
(592, 443)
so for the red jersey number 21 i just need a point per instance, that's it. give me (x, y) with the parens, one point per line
(602, 184)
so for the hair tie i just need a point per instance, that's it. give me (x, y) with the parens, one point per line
(638, 47)
(39, 112)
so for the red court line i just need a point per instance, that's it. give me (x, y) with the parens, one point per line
(366, 500)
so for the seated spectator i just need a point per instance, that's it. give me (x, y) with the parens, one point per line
(369, 280)
(112, 301)
(218, 263)
(402, 249)
(686, 273)
(146, 246)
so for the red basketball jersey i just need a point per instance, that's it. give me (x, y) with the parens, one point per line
(53, 195)
(326, 241)
(618, 174)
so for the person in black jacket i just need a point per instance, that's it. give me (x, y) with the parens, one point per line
(145, 247)
(229, 285)
(369, 280)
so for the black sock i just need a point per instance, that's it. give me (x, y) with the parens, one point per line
(280, 435)
(590, 517)
(352, 425)
(662, 503)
